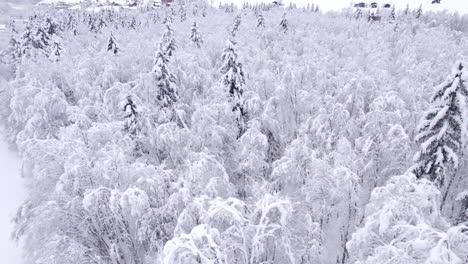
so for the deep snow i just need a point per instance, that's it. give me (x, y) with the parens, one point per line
(11, 195)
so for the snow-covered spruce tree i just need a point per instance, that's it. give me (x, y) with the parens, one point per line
(112, 45)
(165, 80)
(12, 27)
(182, 13)
(96, 24)
(131, 115)
(204, 11)
(35, 39)
(195, 11)
(71, 23)
(236, 25)
(168, 42)
(196, 37)
(284, 23)
(419, 12)
(233, 78)
(442, 131)
(133, 23)
(396, 27)
(12, 54)
(135, 125)
(260, 21)
(51, 27)
(463, 199)
(392, 16)
(358, 13)
(56, 49)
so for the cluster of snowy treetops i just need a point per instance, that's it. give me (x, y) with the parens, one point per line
(192, 134)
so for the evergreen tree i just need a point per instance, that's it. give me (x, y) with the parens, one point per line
(182, 13)
(35, 37)
(165, 81)
(12, 26)
(442, 131)
(260, 21)
(112, 45)
(392, 16)
(130, 116)
(284, 23)
(419, 12)
(12, 53)
(236, 25)
(97, 24)
(51, 27)
(463, 215)
(233, 79)
(56, 49)
(196, 37)
(406, 12)
(168, 42)
(358, 13)
(396, 28)
(133, 23)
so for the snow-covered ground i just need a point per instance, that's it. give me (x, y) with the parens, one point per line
(11, 195)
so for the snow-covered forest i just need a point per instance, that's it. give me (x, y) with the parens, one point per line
(254, 135)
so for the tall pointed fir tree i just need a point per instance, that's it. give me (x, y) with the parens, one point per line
(56, 49)
(12, 27)
(165, 80)
(358, 13)
(168, 41)
(130, 115)
(134, 124)
(236, 25)
(51, 27)
(196, 37)
(182, 13)
(260, 21)
(463, 215)
(442, 131)
(112, 45)
(392, 16)
(419, 12)
(284, 23)
(35, 39)
(12, 53)
(233, 79)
